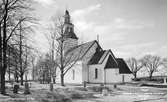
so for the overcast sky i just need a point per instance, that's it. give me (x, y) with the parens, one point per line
(130, 28)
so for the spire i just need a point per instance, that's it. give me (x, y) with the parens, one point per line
(67, 17)
(98, 38)
(66, 12)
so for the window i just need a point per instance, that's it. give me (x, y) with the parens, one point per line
(71, 29)
(116, 72)
(96, 73)
(73, 74)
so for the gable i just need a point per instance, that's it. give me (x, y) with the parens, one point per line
(123, 68)
(105, 55)
(110, 63)
(96, 57)
(84, 51)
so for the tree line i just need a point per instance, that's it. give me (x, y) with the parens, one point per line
(15, 27)
(150, 62)
(17, 55)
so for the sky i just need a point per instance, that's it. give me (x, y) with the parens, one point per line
(130, 28)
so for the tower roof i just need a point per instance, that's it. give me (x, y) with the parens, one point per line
(70, 35)
(66, 12)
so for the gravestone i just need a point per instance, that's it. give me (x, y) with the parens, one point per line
(84, 84)
(51, 86)
(115, 86)
(26, 88)
(15, 88)
(104, 91)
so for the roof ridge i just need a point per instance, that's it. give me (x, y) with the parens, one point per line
(87, 42)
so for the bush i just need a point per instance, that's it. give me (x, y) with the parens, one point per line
(137, 79)
(54, 97)
(76, 95)
(80, 88)
(17, 100)
(97, 88)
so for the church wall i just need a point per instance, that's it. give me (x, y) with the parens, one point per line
(100, 72)
(127, 77)
(74, 75)
(112, 76)
(86, 59)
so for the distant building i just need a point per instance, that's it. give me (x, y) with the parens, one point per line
(95, 65)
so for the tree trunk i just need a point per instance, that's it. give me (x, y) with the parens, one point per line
(3, 82)
(9, 63)
(135, 75)
(16, 73)
(0, 50)
(150, 76)
(4, 48)
(20, 55)
(21, 77)
(62, 79)
(16, 77)
(9, 74)
(33, 72)
(54, 81)
(3, 71)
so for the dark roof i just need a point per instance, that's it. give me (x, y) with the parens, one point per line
(105, 55)
(123, 68)
(96, 57)
(111, 63)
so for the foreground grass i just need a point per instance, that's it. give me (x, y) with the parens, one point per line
(59, 94)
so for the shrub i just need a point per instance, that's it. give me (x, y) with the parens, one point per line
(81, 88)
(96, 88)
(75, 95)
(54, 97)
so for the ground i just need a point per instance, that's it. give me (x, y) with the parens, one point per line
(93, 93)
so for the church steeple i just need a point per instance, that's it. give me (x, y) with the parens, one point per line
(68, 27)
(71, 40)
(67, 17)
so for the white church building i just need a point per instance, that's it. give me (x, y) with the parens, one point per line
(95, 64)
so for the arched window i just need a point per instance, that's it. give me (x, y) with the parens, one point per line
(96, 73)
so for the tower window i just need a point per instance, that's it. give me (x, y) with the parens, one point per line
(96, 73)
(71, 29)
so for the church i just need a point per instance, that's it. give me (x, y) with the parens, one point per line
(95, 64)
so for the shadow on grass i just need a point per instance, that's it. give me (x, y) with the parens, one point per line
(151, 100)
(152, 85)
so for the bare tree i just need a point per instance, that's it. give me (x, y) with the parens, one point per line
(32, 58)
(135, 66)
(43, 69)
(14, 60)
(10, 10)
(51, 37)
(151, 63)
(65, 60)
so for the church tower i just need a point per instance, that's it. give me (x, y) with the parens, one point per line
(71, 40)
